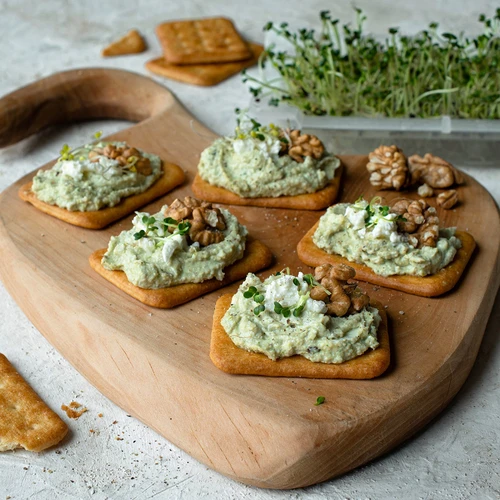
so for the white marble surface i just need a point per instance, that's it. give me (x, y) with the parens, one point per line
(114, 456)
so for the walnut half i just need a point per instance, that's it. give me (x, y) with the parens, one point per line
(388, 168)
(433, 171)
(207, 222)
(302, 145)
(340, 297)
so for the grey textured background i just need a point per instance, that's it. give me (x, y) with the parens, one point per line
(456, 457)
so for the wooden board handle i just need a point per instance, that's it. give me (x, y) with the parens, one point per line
(78, 95)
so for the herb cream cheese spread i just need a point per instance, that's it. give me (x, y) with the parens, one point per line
(259, 162)
(368, 234)
(152, 257)
(79, 183)
(278, 318)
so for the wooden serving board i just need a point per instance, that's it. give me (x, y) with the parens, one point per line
(155, 364)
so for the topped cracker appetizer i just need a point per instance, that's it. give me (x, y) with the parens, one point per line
(98, 183)
(268, 166)
(400, 246)
(187, 249)
(319, 325)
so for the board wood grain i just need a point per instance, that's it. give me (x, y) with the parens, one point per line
(155, 363)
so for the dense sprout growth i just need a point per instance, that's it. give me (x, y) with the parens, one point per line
(343, 71)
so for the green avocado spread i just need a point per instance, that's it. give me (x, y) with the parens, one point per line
(279, 319)
(366, 234)
(152, 257)
(79, 184)
(251, 164)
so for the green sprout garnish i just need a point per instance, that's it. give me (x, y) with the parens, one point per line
(320, 400)
(153, 225)
(259, 309)
(67, 154)
(342, 71)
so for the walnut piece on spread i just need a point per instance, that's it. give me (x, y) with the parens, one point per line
(340, 297)
(447, 199)
(301, 145)
(207, 222)
(388, 168)
(125, 156)
(434, 171)
(419, 220)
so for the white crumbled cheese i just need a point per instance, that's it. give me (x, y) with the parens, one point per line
(242, 146)
(356, 217)
(284, 291)
(384, 228)
(74, 169)
(173, 243)
(270, 145)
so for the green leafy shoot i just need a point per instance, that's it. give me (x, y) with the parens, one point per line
(153, 225)
(259, 309)
(340, 70)
(320, 400)
(68, 154)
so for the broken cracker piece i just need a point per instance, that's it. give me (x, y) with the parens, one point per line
(25, 420)
(131, 43)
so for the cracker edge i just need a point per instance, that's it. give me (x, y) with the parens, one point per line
(229, 358)
(200, 56)
(204, 75)
(172, 177)
(121, 46)
(55, 427)
(427, 286)
(257, 256)
(310, 201)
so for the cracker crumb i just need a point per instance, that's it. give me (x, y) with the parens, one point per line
(401, 312)
(100, 415)
(73, 410)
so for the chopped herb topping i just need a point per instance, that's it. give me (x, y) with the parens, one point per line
(320, 400)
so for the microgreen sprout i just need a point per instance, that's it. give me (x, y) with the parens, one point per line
(320, 400)
(252, 292)
(376, 212)
(153, 225)
(68, 154)
(342, 71)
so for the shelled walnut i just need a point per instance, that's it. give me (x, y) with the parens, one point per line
(434, 171)
(125, 156)
(340, 297)
(207, 222)
(419, 220)
(447, 199)
(388, 168)
(301, 145)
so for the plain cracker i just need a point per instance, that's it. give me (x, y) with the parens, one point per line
(172, 176)
(256, 257)
(209, 40)
(231, 359)
(131, 43)
(426, 286)
(309, 201)
(203, 74)
(25, 420)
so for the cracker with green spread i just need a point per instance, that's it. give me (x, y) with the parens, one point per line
(400, 247)
(99, 183)
(320, 326)
(187, 249)
(268, 166)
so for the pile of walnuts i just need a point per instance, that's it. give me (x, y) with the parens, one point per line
(298, 146)
(419, 220)
(340, 297)
(123, 155)
(207, 222)
(390, 169)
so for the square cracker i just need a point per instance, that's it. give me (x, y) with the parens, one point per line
(232, 359)
(203, 74)
(256, 257)
(97, 219)
(25, 420)
(426, 286)
(309, 201)
(209, 40)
